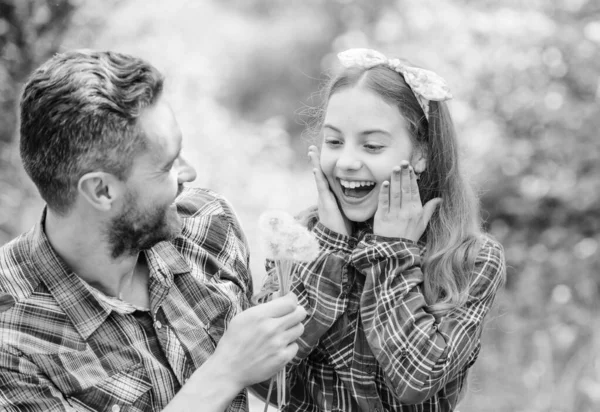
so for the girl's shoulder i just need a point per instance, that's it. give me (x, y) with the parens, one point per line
(490, 248)
(490, 267)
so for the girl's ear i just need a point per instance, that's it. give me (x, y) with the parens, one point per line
(419, 160)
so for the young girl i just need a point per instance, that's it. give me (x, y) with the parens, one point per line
(398, 296)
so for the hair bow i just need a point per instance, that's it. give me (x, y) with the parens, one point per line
(425, 84)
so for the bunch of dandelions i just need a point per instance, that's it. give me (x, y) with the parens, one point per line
(286, 242)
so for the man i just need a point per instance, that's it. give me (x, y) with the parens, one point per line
(130, 293)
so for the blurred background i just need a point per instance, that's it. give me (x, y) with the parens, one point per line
(241, 74)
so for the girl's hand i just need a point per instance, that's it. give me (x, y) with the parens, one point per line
(329, 211)
(400, 213)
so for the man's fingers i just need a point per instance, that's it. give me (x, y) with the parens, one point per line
(292, 319)
(290, 351)
(278, 307)
(293, 333)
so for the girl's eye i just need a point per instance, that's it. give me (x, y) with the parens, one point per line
(332, 141)
(373, 147)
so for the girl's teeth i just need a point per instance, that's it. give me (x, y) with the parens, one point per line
(353, 185)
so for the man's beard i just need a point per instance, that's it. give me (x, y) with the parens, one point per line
(137, 229)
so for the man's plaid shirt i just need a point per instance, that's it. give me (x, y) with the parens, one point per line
(62, 349)
(369, 341)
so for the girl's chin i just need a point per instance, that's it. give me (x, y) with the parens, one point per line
(358, 216)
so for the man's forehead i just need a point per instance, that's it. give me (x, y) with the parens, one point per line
(161, 130)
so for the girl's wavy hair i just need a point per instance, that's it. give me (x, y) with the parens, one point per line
(453, 236)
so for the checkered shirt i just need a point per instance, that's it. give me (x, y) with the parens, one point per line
(63, 349)
(369, 342)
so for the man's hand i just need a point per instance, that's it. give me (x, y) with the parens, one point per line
(256, 345)
(261, 340)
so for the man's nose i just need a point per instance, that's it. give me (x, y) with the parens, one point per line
(187, 173)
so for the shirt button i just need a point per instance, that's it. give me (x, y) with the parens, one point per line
(157, 324)
(115, 408)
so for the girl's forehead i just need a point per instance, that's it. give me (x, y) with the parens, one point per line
(361, 106)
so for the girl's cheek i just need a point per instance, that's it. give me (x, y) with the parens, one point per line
(327, 161)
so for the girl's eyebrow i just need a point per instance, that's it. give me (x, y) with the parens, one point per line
(327, 125)
(372, 131)
(364, 133)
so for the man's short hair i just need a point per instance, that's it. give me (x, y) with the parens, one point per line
(79, 114)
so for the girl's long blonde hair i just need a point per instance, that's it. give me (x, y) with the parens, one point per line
(454, 232)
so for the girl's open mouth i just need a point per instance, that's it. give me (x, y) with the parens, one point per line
(356, 188)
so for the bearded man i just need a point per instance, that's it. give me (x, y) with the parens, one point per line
(131, 293)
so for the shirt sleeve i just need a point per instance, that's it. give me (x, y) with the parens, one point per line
(321, 286)
(418, 353)
(24, 388)
(242, 257)
(221, 234)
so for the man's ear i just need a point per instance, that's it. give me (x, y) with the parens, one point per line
(100, 189)
(419, 160)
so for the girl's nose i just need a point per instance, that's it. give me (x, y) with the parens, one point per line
(348, 161)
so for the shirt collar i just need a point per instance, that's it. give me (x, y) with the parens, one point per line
(83, 308)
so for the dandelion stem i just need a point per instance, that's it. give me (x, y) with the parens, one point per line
(268, 400)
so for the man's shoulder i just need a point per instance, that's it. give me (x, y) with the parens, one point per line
(196, 202)
(204, 211)
(16, 277)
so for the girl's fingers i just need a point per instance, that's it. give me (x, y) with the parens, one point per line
(406, 191)
(414, 187)
(384, 198)
(322, 185)
(396, 188)
(429, 208)
(313, 154)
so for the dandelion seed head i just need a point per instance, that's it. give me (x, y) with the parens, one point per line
(286, 239)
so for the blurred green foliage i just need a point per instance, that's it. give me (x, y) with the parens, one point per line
(30, 31)
(526, 80)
